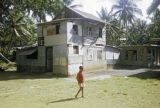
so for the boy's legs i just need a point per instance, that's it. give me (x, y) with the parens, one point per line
(80, 89)
(78, 92)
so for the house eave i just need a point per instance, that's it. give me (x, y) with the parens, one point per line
(71, 19)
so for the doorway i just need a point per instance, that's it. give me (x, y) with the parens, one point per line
(49, 59)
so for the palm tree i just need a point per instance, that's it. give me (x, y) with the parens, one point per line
(42, 8)
(154, 27)
(14, 29)
(154, 5)
(70, 3)
(104, 14)
(113, 29)
(138, 33)
(125, 11)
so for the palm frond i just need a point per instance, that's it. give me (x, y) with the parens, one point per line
(153, 6)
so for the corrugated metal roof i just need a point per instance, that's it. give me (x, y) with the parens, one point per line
(83, 15)
(28, 52)
(90, 16)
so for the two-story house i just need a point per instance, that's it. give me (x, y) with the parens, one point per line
(72, 39)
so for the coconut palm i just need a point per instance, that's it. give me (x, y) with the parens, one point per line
(154, 27)
(41, 8)
(113, 29)
(104, 14)
(70, 3)
(15, 29)
(125, 11)
(154, 5)
(138, 33)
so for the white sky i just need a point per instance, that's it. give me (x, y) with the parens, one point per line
(92, 6)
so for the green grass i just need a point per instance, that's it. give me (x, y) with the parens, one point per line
(116, 92)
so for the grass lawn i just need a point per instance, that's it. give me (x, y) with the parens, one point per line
(116, 92)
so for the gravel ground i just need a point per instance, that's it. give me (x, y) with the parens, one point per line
(109, 73)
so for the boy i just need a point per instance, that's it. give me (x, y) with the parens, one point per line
(80, 79)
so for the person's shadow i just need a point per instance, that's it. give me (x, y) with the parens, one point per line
(62, 100)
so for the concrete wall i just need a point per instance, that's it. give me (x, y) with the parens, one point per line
(93, 39)
(71, 37)
(56, 39)
(60, 60)
(91, 59)
(59, 44)
(87, 57)
(31, 65)
(87, 47)
(112, 56)
(82, 36)
(142, 55)
(74, 60)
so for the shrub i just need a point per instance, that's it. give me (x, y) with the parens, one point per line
(4, 66)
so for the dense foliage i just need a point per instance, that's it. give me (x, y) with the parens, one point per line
(123, 27)
(18, 18)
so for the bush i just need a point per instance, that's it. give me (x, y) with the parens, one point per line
(4, 66)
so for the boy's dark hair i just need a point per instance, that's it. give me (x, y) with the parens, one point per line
(80, 67)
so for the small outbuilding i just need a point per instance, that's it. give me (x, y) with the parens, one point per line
(140, 55)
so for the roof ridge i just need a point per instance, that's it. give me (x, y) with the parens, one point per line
(88, 15)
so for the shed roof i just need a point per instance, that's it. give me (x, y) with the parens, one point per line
(145, 45)
(28, 52)
(113, 47)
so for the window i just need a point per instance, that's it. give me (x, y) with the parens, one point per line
(131, 55)
(89, 31)
(75, 50)
(54, 29)
(50, 31)
(134, 54)
(100, 32)
(40, 41)
(90, 54)
(75, 28)
(126, 55)
(57, 29)
(99, 55)
(33, 56)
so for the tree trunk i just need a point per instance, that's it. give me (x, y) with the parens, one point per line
(4, 58)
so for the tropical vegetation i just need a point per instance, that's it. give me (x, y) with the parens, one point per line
(18, 18)
(154, 5)
(128, 27)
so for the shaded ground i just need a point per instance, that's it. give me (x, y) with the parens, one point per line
(13, 75)
(152, 74)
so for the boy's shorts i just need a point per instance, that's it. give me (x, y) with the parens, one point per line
(81, 84)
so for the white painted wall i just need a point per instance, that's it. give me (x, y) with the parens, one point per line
(112, 55)
(57, 39)
(72, 38)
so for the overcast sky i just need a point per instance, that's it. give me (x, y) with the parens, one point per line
(92, 6)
